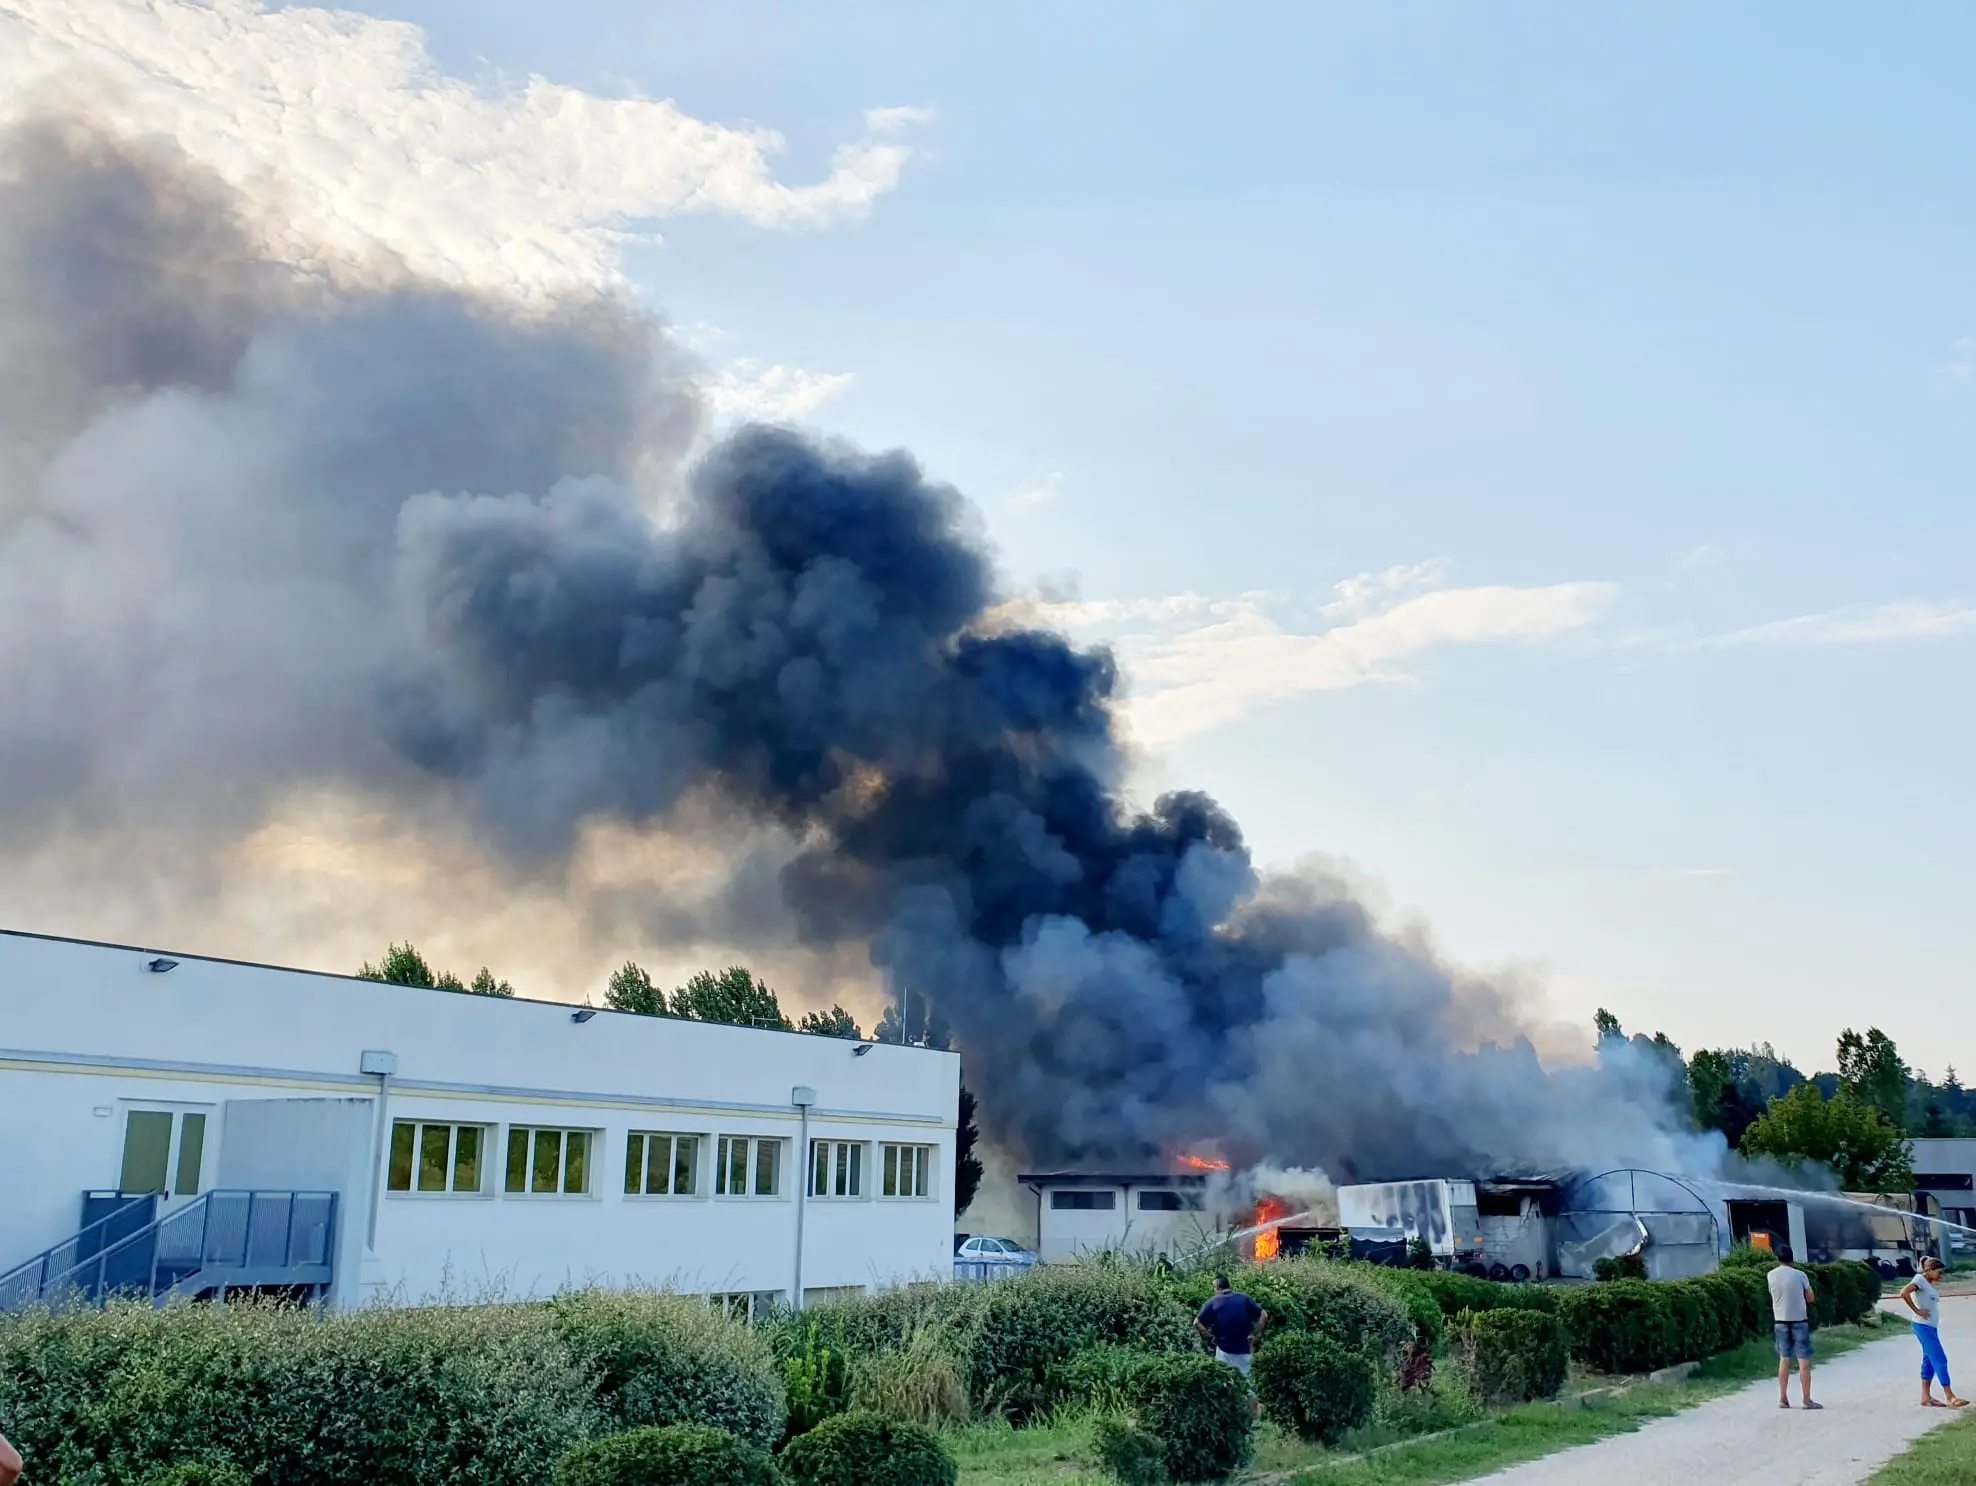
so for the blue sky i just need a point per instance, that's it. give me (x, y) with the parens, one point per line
(1625, 346)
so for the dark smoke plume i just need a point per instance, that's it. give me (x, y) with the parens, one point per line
(261, 532)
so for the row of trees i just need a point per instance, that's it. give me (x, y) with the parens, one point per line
(1856, 1122)
(735, 997)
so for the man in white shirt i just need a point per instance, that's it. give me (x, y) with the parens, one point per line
(1791, 1298)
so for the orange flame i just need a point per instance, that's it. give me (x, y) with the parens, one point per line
(1201, 1163)
(1269, 1242)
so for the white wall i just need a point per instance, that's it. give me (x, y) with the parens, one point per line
(1072, 1233)
(306, 1145)
(86, 1027)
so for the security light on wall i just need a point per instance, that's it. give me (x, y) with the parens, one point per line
(583, 1015)
(861, 1049)
(160, 965)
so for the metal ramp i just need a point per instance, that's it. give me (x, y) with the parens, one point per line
(227, 1239)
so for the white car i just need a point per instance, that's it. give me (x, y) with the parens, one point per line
(990, 1258)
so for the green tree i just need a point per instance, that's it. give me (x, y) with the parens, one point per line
(1871, 1070)
(631, 989)
(836, 1022)
(403, 965)
(967, 1165)
(1606, 1025)
(1711, 1080)
(1864, 1149)
(484, 984)
(733, 996)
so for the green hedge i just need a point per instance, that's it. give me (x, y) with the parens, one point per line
(1455, 1293)
(1512, 1356)
(1633, 1326)
(675, 1455)
(488, 1395)
(865, 1449)
(1309, 1383)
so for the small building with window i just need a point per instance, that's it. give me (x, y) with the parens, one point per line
(1079, 1214)
(190, 1125)
(1945, 1171)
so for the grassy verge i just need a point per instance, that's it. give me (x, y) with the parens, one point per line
(1942, 1457)
(1060, 1455)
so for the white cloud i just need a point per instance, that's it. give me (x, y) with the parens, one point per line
(1859, 625)
(372, 151)
(1197, 663)
(748, 389)
(1041, 493)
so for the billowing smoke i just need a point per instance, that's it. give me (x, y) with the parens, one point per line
(263, 532)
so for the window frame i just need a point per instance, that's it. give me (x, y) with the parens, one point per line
(891, 1163)
(1173, 1200)
(418, 1125)
(642, 1139)
(1071, 1199)
(594, 1140)
(845, 1163)
(751, 1170)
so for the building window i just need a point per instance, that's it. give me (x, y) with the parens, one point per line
(832, 1294)
(549, 1162)
(836, 1168)
(908, 1171)
(1944, 1181)
(747, 1166)
(1083, 1202)
(746, 1305)
(436, 1158)
(1169, 1202)
(661, 1165)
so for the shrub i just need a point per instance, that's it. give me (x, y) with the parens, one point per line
(1129, 1453)
(919, 1382)
(1198, 1409)
(1098, 1377)
(816, 1382)
(1422, 1309)
(451, 1395)
(1621, 1267)
(1747, 1255)
(1694, 1318)
(672, 1359)
(672, 1455)
(1626, 1326)
(1307, 1382)
(200, 1473)
(1847, 1291)
(1456, 1293)
(865, 1449)
(1753, 1296)
(1343, 1301)
(1512, 1356)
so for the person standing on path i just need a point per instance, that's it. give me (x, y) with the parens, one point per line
(1232, 1322)
(1791, 1297)
(1925, 1301)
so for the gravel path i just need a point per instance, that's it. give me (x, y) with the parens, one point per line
(1870, 1416)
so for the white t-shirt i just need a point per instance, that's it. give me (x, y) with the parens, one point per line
(1787, 1286)
(1928, 1301)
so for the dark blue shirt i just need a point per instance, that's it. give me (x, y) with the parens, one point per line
(1231, 1318)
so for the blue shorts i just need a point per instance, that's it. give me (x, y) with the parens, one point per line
(1793, 1339)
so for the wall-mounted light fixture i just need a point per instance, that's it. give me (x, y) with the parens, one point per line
(160, 965)
(583, 1015)
(861, 1049)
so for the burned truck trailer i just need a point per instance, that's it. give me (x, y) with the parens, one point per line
(1495, 1228)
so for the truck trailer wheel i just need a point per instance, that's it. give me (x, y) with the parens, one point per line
(1519, 1273)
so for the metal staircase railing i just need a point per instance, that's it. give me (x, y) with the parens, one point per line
(224, 1239)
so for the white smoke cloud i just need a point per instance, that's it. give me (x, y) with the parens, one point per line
(354, 147)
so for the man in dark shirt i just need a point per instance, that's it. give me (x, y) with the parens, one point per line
(1231, 1321)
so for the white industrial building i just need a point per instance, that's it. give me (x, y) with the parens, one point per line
(1079, 1214)
(189, 1125)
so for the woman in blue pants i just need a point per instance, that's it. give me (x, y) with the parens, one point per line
(1926, 1302)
